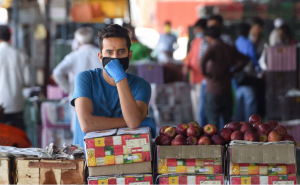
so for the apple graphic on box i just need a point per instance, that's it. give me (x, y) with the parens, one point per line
(204, 140)
(281, 130)
(162, 130)
(263, 138)
(273, 124)
(179, 140)
(181, 129)
(251, 136)
(191, 140)
(226, 134)
(254, 118)
(288, 138)
(218, 140)
(210, 130)
(193, 131)
(264, 129)
(234, 126)
(237, 135)
(170, 131)
(165, 140)
(247, 127)
(274, 136)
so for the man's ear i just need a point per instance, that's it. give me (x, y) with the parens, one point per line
(100, 56)
(130, 55)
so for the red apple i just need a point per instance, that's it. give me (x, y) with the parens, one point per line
(165, 140)
(234, 126)
(274, 136)
(273, 124)
(162, 130)
(181, 129)
(170, 131)
(191, 140)
(210, 130)
(237, 135)
(226, 134)
(204, 140)
(244, 122)
(193, 123)
(193, 131)
(281, 130)
(254, 118)
(203, 136)
(263, 138)
(251, 136)
(264, 129)
(257, 124)
(179, 140)
(288, 138)
(158, 140)
(247, 127)
(218, 140)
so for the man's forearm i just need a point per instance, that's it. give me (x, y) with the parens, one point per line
(97, 123)
(131, 112)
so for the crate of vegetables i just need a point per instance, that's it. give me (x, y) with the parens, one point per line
(188, 148)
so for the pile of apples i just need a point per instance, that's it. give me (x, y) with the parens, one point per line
(193, 134)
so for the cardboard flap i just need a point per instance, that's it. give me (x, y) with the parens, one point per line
(101, 133)
(190, 152)
(140, 130)
(277, 153)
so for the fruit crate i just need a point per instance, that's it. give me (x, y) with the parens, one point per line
(290, 108)
(134, 179)
(189, 179)
(255, 179)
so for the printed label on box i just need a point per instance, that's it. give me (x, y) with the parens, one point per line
(139, 183)
(276, 169)
(210, 182)
(132, 157)
(203, 170)
(134, 143)
(283, 182)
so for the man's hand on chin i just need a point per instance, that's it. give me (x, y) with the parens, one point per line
(115, 70)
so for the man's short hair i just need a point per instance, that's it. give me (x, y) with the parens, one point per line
(218, 18)
(4, 33)
(168, 23)
(84, 35)
(258, 21)
(114, 30)
(244, 29)
(201, 23)
(213, 32)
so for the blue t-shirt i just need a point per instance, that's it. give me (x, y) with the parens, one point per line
(105, 97)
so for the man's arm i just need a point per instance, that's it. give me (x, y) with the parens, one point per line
(89, 123)
(240, 61)
(203, 61)
(60, 73)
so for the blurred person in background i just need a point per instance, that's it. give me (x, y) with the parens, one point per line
(192, 63)
(218, 65)
(214, 20)
(14, 75)
(256, 34)
(166, 45)
(274, 36)
(81, 59)
(244, 81)
(285, 36)
(139, 51)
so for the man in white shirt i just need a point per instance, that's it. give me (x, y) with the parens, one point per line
(82, 59)
(14, 75)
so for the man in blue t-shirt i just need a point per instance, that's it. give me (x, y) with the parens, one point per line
(110, 98)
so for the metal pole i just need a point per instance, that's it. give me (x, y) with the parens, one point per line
(15, 16)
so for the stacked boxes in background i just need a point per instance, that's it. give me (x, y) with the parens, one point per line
(119, 151)
(121, 180)
(261, 163)
(201, 163)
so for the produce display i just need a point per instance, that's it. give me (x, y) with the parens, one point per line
(191, 179)
(272, 179)
(121, 180)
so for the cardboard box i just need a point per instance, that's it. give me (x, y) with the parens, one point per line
(273, 179)
(121, 180)
(118, 146)
(4, 170)
(47, 171)
(190, 179)
(190, 159)
(255, 158)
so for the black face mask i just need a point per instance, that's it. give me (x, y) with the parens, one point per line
(123, 61)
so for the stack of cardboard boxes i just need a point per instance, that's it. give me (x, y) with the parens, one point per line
(119, 156)
(190, 164)
(261, 163)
